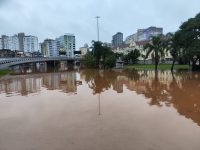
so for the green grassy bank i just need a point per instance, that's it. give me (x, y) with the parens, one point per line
(5, 72)
(152, 66)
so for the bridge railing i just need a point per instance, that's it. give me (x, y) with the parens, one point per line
(32, 59)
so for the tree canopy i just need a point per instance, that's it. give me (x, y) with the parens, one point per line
(100, 56)
(189, 38)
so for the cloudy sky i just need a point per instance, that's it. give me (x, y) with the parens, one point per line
(52, 18)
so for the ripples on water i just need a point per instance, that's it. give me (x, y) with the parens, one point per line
(120, 97)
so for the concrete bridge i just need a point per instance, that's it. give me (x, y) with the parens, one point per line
(9, 62)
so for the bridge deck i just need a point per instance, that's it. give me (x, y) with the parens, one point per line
(7, 62)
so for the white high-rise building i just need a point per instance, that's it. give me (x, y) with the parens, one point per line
(30, 44)
(9, 42)
(130, 39)
(5, 42)
(49, 48)
(67, 45)
(144, 34)
(53, 49)
(1, 43)
(19, 42)
(13, 43)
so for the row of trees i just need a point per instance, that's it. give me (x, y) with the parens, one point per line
(102, 56)
(183, 45)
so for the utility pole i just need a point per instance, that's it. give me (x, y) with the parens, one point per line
(97, 17)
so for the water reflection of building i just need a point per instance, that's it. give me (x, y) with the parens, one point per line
(21, 85)
(119, 83)
(24, 85)
(179, 90)
(65, 82)
(68, 82)
(146, 77)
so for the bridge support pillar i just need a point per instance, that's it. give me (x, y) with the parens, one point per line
(63, 65)
(77, 64)
(52, 65)
(71, 64)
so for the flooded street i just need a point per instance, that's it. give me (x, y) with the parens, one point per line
(100, 110)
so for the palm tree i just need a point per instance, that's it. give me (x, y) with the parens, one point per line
(156, 48)
(173, 47)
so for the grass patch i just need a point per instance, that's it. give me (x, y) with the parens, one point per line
(152, 66)
(5, 72)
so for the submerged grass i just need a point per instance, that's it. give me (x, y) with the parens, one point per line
(152, 66)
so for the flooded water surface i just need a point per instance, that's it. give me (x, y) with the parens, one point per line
(100, 110)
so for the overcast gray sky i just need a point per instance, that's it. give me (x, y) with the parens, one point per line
(52, 18)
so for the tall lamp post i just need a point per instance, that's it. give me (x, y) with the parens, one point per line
(99, 98)
(97, 17)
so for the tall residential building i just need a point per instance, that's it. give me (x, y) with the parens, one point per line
(21, 41)
(67, 45)
(1, 43)
(40, 47)
(30, 44)
(147, 34)
(5, 42)
(13, 43)
(9, 42)
(144, 34)
(117, 39)
(131, 38)
(49, 48)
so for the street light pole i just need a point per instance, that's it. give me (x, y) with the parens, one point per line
(97, 17)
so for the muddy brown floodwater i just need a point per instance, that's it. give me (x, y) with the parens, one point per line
(100, 110)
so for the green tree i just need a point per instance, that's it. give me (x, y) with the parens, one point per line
(173, 46)
(107, 55)
(97, 50)
(134, 55)
(89, 60)
(110, 61)
(125, 58)
(156, 48)
(190, 39)
(99, 56)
